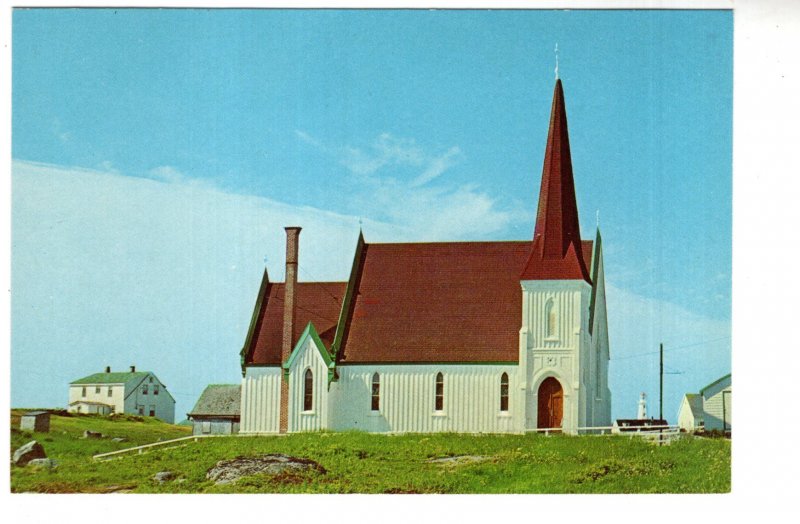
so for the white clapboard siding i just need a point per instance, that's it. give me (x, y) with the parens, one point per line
(407, 399)
(261, 391)
(316, 418)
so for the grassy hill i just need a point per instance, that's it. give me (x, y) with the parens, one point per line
(365, 463)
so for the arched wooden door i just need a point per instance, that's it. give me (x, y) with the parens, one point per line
(551, 404)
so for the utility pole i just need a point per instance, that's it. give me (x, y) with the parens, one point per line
(661, 381)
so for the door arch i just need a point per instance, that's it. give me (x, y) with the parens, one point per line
(551, 404)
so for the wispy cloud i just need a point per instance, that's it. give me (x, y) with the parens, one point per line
(400, 181)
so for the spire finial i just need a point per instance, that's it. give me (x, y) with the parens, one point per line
(598, 219)
(556, 60)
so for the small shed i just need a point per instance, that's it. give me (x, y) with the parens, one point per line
(690, 415)
(217, 411)
(35, 421)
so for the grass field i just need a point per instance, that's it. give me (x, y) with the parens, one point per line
(365, 463)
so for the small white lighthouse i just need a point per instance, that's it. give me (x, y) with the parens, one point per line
(642, 407)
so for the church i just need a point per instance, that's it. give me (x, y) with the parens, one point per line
(468, 337)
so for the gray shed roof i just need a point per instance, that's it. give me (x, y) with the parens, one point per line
(696, 405)
(219, 399)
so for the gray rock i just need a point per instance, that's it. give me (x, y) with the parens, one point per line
(31, 450)
(45, 463)
(119, 439)
(92, 434)
(163, 476)
(460, 459)
(229, 471)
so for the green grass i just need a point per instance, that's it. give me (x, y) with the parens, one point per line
(365, 463)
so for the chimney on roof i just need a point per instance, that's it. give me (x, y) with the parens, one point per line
(290, 292)
(108, 369)
(133, 369)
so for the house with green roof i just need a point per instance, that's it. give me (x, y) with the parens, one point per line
(709, 409)
(132, 392)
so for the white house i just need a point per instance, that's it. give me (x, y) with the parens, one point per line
(690, 414)
(717, 404)
(442, 336)
(133, 392)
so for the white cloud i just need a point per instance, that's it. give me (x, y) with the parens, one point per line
(386, 191)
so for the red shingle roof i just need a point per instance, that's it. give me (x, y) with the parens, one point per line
(437, 302)
(317, 302)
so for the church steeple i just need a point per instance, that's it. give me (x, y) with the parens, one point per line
(556, 252)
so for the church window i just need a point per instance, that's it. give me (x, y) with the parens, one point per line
(552, 320)
(504, 392)
(439, 405)
(308, 391)
(376, 392)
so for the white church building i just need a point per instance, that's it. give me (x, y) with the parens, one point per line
(472, 337)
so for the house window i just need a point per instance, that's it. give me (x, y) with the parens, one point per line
(504, 392)
(83, 391)
(155, 389)
(376, 392)
(151, 380)
(152, 410)
(308, 393)
(140, 409)
(144, 389)
(552, 321)
(439, 404)
(109, 391)
(97, 390)
(206, 426)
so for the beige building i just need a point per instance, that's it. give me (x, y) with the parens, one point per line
(133, 392)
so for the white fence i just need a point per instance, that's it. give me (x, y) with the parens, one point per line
(658, 434)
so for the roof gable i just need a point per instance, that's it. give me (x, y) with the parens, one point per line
(219, 399)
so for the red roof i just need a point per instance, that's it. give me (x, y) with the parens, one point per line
(557, 253)
(437, 302)
(317, 302)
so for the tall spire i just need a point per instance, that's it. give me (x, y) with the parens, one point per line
(556, 252)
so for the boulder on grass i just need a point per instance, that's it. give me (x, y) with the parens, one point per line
(44, 463)
(92, 434)
(229, 471)
(163, 476)
(31, 450)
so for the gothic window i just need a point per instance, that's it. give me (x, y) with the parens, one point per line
(439, 405)
(552, 320)
(308, 391)
(504, 392)
(376, 392)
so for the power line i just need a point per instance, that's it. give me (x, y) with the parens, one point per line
(674, 348)
(335, 299)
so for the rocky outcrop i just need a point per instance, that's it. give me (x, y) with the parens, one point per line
(44, 463)
(163, 476)
(229, 471)
(30, 451)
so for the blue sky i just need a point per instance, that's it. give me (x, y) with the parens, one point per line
(159, 153)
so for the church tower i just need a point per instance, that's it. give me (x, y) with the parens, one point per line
(564, 335)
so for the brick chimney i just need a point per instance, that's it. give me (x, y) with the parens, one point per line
(289, 314)
(133, 369)
(108, 369)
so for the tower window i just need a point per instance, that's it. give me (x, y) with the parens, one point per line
(552, 319)
(439, 404)
(308, 391)
(376, 392)
(504, 392)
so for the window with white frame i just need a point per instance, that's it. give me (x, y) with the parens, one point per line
(308, 391)
(376, 392)
(439, 400)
